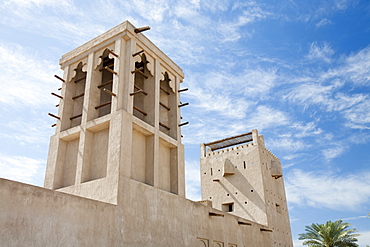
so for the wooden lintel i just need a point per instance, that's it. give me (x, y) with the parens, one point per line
(77, 116)
(164, 126)
(141, 29)
(105, 84)
(78, 96)
(182, 124)
(164, 90)
(109, 92)
(52, 115)
(111, 52)
(216, 180)
(56, 95)
(60, 78)
(141, 111)
(137, 53)
(102, 105)
(164, 106)
(185, 104)
(183, 90)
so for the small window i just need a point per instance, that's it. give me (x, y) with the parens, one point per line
(228, 207)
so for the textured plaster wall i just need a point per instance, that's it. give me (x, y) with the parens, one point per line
(33, 216)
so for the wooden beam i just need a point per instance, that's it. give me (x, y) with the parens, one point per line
(183, 90)
(185, 104)
(56, 95)
(60, 78)
(109, 92)
(164, 126)
(164, 106)
(52, 115)
(141, 111)
(78, 96)
(182, 124)
(111, 52)
(77, 116)
(141, 29)
(105, 84)
(137, 53)
(102, 105)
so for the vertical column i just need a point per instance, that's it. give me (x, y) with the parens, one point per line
(84, 137)
(157, 76)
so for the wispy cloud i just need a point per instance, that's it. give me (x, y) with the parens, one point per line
(328, 190)
(192, 175)
(323, 22)
(20, 168)
(321, 52)
(26, 78)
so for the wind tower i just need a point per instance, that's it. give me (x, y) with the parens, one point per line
(118, 118)
(239, 175)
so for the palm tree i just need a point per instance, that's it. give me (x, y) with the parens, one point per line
(330, 234)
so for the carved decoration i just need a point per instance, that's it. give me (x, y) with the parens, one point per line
(169, 79)
(80, 66)
(98, 60)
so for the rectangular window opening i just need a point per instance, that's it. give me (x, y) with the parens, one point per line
(228, 207)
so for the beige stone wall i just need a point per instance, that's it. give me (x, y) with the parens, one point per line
(145, 216)
(33, 216)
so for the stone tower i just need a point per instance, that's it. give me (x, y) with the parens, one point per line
(118, 118)
(240, 176)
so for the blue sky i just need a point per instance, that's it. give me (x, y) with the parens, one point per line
(298, 71)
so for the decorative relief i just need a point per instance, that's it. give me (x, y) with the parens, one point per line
(169, 78)
(149, 60)
(82, 65)
(98, 59)
(202, 242)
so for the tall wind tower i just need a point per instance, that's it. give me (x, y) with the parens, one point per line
(118, 118)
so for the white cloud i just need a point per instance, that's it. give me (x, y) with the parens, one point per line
(355, 68)
(320, 52)
(306, 129)
(192, 177)
(342, 193)
(323, 22)
(334, 152)
(20, 168)
(364, 238)
(26, 78)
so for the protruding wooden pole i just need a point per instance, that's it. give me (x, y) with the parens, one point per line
(163, 105)
(110, 92)
(137, 53)
(183, 124)
(164, 126)
(141, 29)
(52, 115)
(56, 95)
(104, 104)
(141, 111)
(183, 90)
(60, 78)
(185, 104)
(110, 70)
(111, 52)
